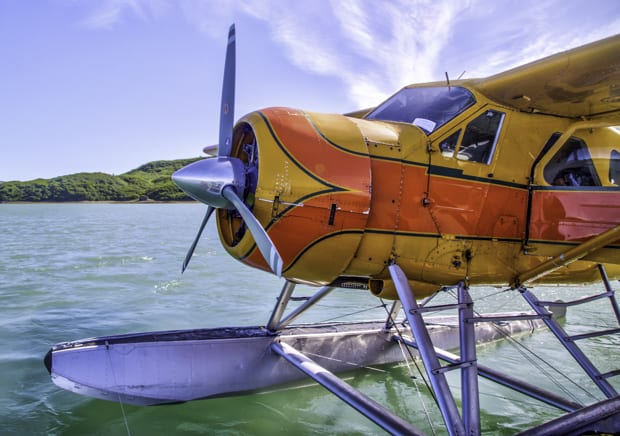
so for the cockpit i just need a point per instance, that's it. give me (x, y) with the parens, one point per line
(426, 107)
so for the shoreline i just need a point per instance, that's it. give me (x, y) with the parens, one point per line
(101, 202)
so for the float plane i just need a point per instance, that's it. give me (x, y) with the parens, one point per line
(511, 181)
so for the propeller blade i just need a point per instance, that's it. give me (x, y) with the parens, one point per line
(219, 182)
(264, 243)
(210, 150)
(190, 252)
(227, 114)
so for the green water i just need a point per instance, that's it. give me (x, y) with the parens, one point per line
(70, 271)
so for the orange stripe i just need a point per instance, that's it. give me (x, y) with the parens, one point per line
(458, 206)
(315, 154)
(573, 216)
(303, 225)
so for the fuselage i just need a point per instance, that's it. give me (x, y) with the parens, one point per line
(456, 188)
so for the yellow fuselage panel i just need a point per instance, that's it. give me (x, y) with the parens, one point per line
(343, 196)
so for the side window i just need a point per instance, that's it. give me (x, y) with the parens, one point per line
(614, 167)
(572, 166)
(448, 145)
(480, 137)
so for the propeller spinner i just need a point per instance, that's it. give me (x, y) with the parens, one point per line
(220, 182)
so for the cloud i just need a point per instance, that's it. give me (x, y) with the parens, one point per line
(212, 17)
(374, 48)
(108, 13)
(493, 37)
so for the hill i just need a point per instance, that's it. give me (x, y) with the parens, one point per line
(150, 181)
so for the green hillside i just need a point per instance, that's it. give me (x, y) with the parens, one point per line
(148, 182)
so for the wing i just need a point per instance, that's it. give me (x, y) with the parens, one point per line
(359, 113)
(582, 82)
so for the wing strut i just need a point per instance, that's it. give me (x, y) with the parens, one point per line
(570, 342)
(368, 407)
(570, 256)
(470, 423)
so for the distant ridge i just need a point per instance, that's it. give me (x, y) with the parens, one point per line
(149, 182)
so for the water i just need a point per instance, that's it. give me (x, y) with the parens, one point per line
(70, 271)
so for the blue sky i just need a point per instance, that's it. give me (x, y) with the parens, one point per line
(109, 85)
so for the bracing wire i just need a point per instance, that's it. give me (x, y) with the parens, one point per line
(392, 321)
(354, 313)
(532, 357)
(417, 388)
(120, 400)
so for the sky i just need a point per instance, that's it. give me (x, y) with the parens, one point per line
(108, 85)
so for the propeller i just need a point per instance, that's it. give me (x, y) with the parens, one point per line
(220, 182)
(190, 252)
(227, 114)
(265, 245)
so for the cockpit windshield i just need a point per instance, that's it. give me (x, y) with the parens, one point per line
(427, 107)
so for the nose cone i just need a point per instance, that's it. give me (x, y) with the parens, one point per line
(204, 180)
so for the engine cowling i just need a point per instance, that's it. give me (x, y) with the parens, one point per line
(308, 182)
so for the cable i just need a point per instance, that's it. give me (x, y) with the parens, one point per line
(354, 313)
(120, 401)
(411, 356)
(412, 377)
(533, 358)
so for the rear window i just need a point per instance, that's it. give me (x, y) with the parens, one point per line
(572, 166)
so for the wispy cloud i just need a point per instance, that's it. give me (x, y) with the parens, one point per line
(105, 14)
(493, 37)
(211, 17)
(375, 47)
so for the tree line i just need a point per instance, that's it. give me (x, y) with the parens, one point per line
(150, 181)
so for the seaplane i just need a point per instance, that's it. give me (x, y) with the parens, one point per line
(512, 181)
